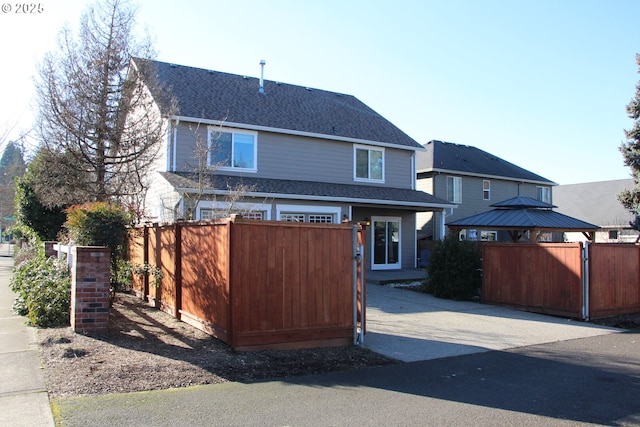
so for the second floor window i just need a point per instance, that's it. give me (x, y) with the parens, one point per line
(544, 194)
(454, 189)
(232, 150)
(486, 189)
(369, 164)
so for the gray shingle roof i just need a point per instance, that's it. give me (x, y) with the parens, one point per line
(447, 156)
(515, 214)
(259, 187)
(596, 202)
(230, 98)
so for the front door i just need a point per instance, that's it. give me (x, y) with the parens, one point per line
(386, 242)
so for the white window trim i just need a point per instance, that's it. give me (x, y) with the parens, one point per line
(309, 209)
(215, 129)
(246, 206)
(488, 190)
(357, 147)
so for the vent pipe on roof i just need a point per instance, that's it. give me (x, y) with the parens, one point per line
(262, 62)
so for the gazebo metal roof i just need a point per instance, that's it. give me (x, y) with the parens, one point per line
(521, 214)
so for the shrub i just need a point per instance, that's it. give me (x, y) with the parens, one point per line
(103, 224)
(454, 269)
(43, 287)
(99, 224)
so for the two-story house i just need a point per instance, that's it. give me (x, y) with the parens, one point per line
(473, 180)
(291, 153)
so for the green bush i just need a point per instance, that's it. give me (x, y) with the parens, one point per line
(103, 224)
(99, 224)
(454, 269)
(44, 291)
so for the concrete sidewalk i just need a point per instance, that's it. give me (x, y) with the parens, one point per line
(412, 326)
(23, 395)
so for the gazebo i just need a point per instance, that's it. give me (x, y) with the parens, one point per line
(520, 215)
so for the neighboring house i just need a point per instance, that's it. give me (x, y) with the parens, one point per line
(474, 180)
(597, 203)
(276, 151)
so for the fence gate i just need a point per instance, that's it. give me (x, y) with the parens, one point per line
(563, 279)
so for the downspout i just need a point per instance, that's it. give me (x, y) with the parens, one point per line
(414, 176)
(442, 223)
(175, 149)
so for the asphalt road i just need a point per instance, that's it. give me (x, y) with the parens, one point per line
(586, 381)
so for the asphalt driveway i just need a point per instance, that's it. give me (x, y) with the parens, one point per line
(412, 326)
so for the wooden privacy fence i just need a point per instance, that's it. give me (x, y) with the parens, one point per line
(564, 279)
(256, 284)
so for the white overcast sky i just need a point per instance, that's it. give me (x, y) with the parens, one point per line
(542, 83)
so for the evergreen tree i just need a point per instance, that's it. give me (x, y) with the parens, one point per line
(631, 153)
(45, 221)
(11, 166)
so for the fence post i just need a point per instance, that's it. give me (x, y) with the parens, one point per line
(585, 281)
(90, 274)
(145, 261)
(178, 269)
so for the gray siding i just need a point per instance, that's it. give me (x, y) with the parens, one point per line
(472, 198)
(472, 194)
(300, 158)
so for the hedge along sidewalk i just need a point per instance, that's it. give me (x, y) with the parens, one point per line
(23, 395)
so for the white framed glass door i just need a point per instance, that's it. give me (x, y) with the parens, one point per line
(386, 242)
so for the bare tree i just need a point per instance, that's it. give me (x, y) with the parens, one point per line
(203, 174)
(98, 119)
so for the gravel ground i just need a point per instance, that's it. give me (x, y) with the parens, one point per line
(146, 349)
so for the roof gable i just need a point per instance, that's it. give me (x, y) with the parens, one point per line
(234, 99)
(465, 159)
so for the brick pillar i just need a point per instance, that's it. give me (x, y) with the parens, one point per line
(90, 289)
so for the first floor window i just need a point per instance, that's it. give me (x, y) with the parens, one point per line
(369, 164)
(292, 217)
(232, 149)
(321, 219)
(454, 189)
(302, 217)
(221, 213)
(488, 236)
